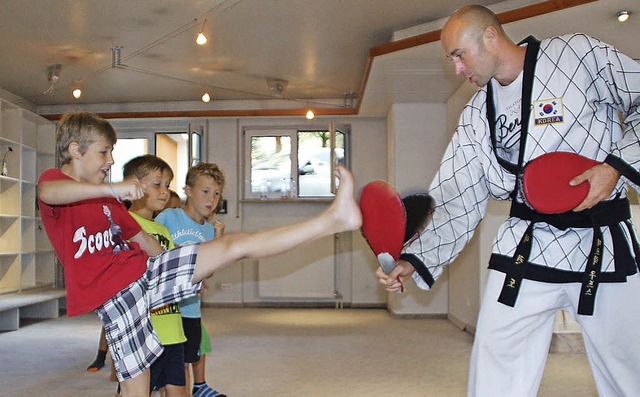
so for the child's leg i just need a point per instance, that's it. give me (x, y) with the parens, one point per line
(137, 386)
(101, 355)
(343, 214)
(198, 370)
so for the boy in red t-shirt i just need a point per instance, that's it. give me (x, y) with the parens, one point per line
(113, 267)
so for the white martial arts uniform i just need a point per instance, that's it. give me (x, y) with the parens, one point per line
(580, 90)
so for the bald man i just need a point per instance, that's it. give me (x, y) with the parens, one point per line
(566, 93)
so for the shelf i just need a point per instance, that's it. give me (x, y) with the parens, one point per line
(28, 240)
(27, 261)
(28, 271)
(28, 198)
(42, 242)
(9, 235)
(28, 173)
(44, 161)
(9, 273)
(11, 153)
(46, 139)
(38, 302)
(11, 122)
(29, 126)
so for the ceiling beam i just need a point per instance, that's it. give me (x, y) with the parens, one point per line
(219, 113)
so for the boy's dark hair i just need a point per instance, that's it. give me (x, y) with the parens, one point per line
(141, 166)
(83, 128)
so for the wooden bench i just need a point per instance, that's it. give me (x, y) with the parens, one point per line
(41, 303)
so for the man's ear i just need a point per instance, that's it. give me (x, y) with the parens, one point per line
(490, 34)
(74, 150)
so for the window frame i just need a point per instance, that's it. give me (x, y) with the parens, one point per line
(248, 132)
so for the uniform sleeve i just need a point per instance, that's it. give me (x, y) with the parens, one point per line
(461, 195)
(618, 84)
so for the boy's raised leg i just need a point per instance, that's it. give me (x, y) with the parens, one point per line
(343, 215)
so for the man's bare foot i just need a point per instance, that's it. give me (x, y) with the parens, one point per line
(344, 209)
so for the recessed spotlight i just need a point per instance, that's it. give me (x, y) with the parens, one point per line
(623, 16)
(206, 97)
(77, 93)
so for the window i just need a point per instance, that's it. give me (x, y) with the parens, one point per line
(282, 161)
(124, 150)
(178, 149)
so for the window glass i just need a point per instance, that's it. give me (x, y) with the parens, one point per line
(173, 147)
(270, 165)
(291, 163)
(124, 150)
(314, 162)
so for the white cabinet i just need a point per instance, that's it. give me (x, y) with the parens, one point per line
(27, 262)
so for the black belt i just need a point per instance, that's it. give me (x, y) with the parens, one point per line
(606, 213)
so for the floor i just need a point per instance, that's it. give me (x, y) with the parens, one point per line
(279, 353)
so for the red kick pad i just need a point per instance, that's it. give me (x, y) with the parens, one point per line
(383, 222)
(546, 181)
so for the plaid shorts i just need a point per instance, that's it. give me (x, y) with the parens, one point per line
(127, 323)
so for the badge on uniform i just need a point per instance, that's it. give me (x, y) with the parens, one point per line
(548, 111)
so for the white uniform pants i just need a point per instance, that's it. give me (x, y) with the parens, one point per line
(511, 343)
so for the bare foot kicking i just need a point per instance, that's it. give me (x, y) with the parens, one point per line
(344, 209)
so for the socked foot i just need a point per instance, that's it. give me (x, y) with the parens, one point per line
(344, 209)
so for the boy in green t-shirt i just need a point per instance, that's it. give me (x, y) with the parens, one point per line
(155, 175)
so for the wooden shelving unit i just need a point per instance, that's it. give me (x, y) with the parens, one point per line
(27, 262)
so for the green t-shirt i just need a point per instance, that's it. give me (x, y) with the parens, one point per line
(167, 320)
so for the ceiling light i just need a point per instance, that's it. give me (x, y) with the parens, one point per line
(77, 93)
(201, 39)
(206, 97)
(310, 115)
(623, 16)
(53, 76)
(116, 56)
(277, 86)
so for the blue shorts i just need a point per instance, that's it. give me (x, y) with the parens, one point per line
(127, 323)
(168, 369)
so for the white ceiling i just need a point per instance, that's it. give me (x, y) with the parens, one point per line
(319, 47)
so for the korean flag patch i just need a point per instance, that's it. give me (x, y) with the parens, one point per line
(548, 111)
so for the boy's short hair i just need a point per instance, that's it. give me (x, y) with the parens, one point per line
(205, 169)
(83, 128)
(141, 166)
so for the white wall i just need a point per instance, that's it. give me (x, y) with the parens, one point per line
(356, 265)
(416, 141)
(468, 273)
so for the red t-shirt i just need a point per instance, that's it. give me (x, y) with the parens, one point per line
(90, 239)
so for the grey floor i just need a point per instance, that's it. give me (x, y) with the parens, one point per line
(281, 352)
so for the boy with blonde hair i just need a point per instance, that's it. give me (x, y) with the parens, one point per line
(189, 225)
(113, 267)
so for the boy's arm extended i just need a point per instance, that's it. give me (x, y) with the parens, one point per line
(67, 191)
(147, 243)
